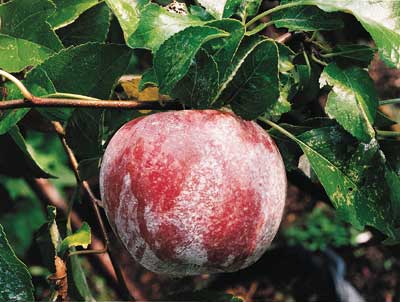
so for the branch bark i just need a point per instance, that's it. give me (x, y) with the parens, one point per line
(31, 101)
(94, 201)
(75, 103)
(48, 193)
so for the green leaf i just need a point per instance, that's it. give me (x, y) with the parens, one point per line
(222, 8)
(231, 7)
(91, 69)
(307, 78)
(250, 7)
(224, 49)
(77, 283)
(24, 220)
(15, 159)
(282, 105)
(78, 286)
(115, 119)
(49, 152)
(254, 88)
(10, 118)
(286, 82)
(68, 11)
(171, 63)
(15, 281)
(26, 38)
(89, 168)
(16, 54)
(354, 52)
(82, 237)
(128, 14)
(26, 19)
(38, 85)
(200, 12)
(245, 48)
(84, 133)
(319, 229)
(115, 34)
(306, 18)
(98, 65)
(49, 238)
(352, 175)
(379, 18)
(200, 84)
(286, 56)
(353, 101)
(148, 79)
(289, 150)
(52, 228)
(393, 182)
(91, 26)
(215, 8)
(391, 149)
(156, 25)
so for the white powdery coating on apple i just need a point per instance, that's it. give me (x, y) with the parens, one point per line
(204, 188)
(193, 208)
(250, 160)
(128, 228)
(126, 217)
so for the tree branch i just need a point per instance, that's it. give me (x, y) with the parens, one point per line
(24, 91)
(48, 193)
(94, 201)
(67, 103)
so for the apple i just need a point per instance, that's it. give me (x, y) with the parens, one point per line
(193, 191)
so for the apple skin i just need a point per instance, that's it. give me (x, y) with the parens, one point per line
(193, 191)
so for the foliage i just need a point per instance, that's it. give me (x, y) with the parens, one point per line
(210, 55)
(320, 229)
(15, 279)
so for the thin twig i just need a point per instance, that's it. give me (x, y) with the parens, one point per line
(74, 164)
(389, 102)
(278, 8)
(74, 100)
(315, 59)
(25, 92)
(258, 28)
(284, 38)
(81, 103)
(48, 193)
(33, 101)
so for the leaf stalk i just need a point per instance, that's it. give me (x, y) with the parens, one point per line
(278, 8)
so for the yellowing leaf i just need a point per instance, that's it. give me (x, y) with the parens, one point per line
(130, 84)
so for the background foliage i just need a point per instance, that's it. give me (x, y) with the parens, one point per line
(308, 87)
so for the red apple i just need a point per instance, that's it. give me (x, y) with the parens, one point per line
(195, 191)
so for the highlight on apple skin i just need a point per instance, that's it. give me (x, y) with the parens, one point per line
(194, 191)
